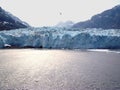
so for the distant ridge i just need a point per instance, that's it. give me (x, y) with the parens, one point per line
(65, 24)
(8, 21)
(109, 19)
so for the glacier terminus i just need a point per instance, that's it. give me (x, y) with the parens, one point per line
(61, 38)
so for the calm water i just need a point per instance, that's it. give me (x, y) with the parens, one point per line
(29, 69)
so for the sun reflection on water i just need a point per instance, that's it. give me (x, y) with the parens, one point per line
(42, 59)
(31, 69)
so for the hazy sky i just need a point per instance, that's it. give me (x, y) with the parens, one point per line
(50, 12)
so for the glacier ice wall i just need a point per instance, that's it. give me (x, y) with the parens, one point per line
(58, 38)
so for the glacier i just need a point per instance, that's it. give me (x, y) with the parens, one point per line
(61, 38)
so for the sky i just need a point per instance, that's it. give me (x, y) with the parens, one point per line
(50, 12)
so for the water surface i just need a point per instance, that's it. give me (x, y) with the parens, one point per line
(30, 69)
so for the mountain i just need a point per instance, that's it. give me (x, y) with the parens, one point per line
(8, 21)
(65, 24)
(109, 19)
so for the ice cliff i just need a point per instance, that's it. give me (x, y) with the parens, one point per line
(61, 38)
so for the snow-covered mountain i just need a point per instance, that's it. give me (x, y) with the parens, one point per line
(49, 37)
(9, 21)
(66, 24)
(109, 19)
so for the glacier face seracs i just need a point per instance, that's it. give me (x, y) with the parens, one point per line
(53, 37)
